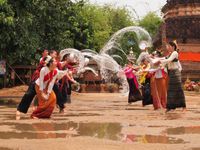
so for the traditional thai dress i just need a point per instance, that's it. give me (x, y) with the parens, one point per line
(45, 84)
(59, 98)
(134, 93)
(161, 84)
(30, 93)
(158, 88)
(175, 94)
(145, 78)
(154, 92)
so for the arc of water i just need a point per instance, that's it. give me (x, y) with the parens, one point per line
(117, 56)
(89, 50)
(137, 30)
(105, 58)
(79, 56)
(88, 69)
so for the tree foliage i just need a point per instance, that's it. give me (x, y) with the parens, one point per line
(29, 26)
(104, 21)
(151, 22)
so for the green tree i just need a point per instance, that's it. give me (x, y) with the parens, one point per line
(99, 25)
(6, 26)
(29, 26)
(118, 18)
(151, 22)
(103, 22)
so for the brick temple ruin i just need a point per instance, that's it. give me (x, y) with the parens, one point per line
(182, 23)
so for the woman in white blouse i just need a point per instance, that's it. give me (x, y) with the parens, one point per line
(43, 88)
(175, 94)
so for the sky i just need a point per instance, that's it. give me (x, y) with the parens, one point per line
(141, 7)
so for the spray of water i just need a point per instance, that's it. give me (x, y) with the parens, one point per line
(105, 59)
(141, 35)
(76, 56)
(113, 46)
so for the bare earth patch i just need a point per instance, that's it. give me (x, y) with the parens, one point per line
(101, 122)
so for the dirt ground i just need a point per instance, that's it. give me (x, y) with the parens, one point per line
(101, 122)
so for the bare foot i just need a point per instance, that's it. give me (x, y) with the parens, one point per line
(34, 108)
(33, 117)
(18, 117)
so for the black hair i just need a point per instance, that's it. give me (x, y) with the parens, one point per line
(173, 45)
(43, 59)
(158, 53)
(46, 50)
(65, 56)
(130, 62)
(52, 51)
(50, 62)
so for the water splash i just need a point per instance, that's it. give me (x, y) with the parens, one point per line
(113, 47)
(107, 58)
(78, 57)
(141, 35)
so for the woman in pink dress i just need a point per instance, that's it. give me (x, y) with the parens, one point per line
(134, 93)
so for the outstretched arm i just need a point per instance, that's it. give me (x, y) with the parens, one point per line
(171, 58)
(128, 70)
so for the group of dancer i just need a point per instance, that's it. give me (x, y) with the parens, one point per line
(156, 78)
(50, 85)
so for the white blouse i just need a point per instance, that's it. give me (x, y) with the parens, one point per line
(58, 74)
(169, 61)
